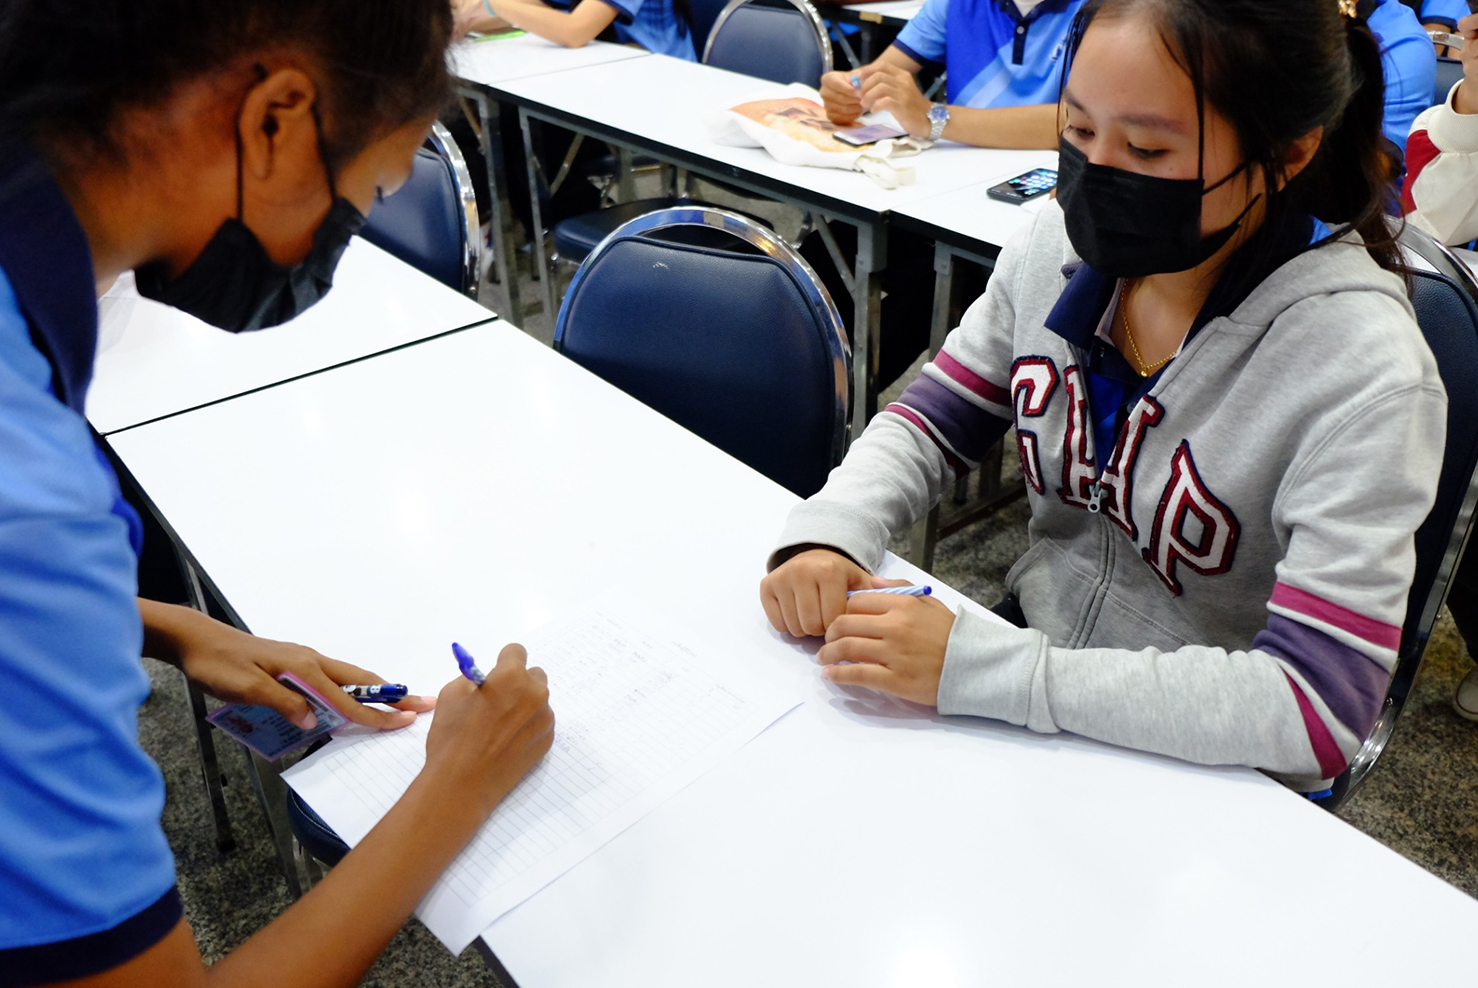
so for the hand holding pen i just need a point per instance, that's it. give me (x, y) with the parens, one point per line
(491, 729)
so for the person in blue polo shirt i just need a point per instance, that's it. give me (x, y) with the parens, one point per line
(1408, 61)
(661, 26)
(225, 153)
(1003, 63)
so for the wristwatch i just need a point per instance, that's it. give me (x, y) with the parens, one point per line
(938, 120)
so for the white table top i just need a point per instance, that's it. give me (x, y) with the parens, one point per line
(154, 360)
(969, 219)
(500, 59)
(660, 103)
(887, 12)
(478, 485)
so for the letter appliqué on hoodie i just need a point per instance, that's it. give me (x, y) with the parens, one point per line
(1033, 382)
(1117, 482)
(1191, 525)
(1078, 463)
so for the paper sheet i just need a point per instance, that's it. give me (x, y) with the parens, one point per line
(637, 718)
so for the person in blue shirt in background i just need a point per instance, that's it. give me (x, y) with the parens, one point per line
(661, 26)
(1409, 62)
(226, 153)
(1003, 64)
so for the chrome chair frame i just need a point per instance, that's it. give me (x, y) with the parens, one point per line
(472, 247)
(766, 241)
(818, 26)
(1445, 263)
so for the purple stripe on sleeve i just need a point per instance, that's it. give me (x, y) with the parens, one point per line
(968, 428)
(1349, 683)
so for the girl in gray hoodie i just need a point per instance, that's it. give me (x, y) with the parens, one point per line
(1227, 418)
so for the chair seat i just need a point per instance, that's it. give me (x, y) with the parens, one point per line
(317, 837)
(577, 236)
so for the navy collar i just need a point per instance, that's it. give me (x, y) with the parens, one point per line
(1085, 298)
(1045, 7)
(45, 255)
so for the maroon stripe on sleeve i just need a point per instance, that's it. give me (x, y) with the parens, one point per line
(972, 381)
(1332, 761)
(1376, 632)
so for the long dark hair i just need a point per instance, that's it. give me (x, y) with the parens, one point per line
(66, 72)
(1277, 69)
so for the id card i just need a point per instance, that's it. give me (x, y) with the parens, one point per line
(272, 735)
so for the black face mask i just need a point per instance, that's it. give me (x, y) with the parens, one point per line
(235, 286)
(1128, 225)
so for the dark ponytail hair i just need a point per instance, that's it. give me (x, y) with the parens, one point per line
(1277, 69)
(67, 71)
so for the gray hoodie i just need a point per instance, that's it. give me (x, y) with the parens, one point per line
(1227, 585)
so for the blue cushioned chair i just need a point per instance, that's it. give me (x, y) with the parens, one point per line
(779, 40)
(718, 324)
(317, 842)
(1444, 300)
(431, 221)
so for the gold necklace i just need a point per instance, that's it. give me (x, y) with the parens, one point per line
(1145, 370)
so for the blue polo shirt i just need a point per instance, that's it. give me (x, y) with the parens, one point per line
(992, 55)
(655, 25)
(1410, 65)
(87, 877)
(1447, 12)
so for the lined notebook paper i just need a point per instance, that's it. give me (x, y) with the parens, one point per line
(637, 718)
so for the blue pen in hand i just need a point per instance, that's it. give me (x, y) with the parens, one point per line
(378, 692)
(920, 591)
(467, 664)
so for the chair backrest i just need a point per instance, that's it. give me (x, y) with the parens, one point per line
(1446, 304)
(780, 40)
(705, 15)
(712, 320)
(1449, 71)
(431, 221)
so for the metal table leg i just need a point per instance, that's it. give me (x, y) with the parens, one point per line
(210, 765)
(867, 292)
(501, 221)
(541, 261)
(944, 284)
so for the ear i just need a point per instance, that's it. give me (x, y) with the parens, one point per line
(277, 122)
(1300, 153)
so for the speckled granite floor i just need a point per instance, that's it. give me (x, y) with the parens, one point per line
(1421, 800)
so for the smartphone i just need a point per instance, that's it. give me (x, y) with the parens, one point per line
(1024, 188)
(859, 136)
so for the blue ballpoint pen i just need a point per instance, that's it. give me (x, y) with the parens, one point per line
(466, 663)
(378, 692)
(919, 591)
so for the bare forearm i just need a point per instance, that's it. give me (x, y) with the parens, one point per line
(332, 935)
(893, 55)
(1027, 127)
(165, 625)
(573, 29)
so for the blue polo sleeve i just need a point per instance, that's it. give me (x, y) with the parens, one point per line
(88, 877)
(923, 39)
(1447, 12)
